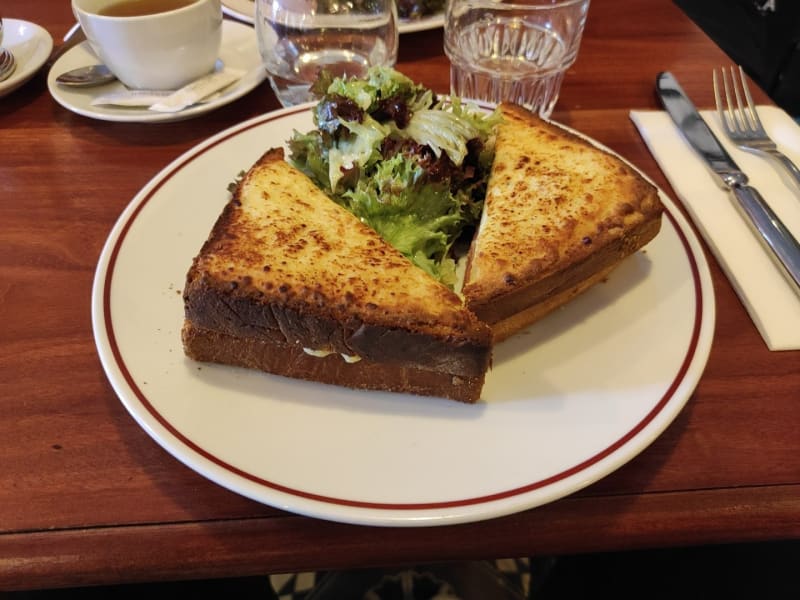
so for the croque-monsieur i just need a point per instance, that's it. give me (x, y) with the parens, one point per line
(559, 215)
(291, 283)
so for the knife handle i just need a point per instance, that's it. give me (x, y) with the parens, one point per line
(772, 232)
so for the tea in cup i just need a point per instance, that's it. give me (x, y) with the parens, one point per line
(153, 44)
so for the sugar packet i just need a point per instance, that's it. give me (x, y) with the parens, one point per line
(197, 90)
(172, 101)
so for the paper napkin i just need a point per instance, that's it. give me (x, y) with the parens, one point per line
(766, 294)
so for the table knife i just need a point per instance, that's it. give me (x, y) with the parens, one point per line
(773, 234)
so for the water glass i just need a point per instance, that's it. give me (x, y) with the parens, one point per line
(299, 38)
(514, 52)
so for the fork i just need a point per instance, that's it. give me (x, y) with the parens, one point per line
(7, 64)
(7, 61)
(741, 122)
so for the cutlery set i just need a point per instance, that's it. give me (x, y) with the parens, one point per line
(741, 123)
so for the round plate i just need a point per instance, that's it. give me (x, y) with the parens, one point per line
(245, 11)
(31, 45)
(433, 21)
(238, 51)
(567, 401)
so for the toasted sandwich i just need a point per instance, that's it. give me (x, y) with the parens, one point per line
(559, 215)
(291, 283)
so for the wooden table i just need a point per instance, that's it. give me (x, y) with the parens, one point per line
(87, 497)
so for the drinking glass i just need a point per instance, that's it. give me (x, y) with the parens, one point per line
(299, 38)
(512, 51)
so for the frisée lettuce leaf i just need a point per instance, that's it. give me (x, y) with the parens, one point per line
(361, 147)
(418, 218)
(411, 166)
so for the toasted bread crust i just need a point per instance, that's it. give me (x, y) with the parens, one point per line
(290, 360)
(560, 213)
(285, 268)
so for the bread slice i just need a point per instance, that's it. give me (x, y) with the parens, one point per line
(559, 215)
(291, 283)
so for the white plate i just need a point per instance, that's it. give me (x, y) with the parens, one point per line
(422, 24)
(31, 45)
(245, 10)
(567, 401)
(239, 50)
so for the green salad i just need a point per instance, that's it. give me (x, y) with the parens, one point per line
(408, 164)
(416, 9)
(406, 9)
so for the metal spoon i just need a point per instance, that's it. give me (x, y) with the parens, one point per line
(86, 76)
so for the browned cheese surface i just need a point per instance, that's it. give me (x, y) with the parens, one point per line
(282, 240)
(553, 202)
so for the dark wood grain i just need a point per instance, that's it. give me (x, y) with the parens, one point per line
(87, 497)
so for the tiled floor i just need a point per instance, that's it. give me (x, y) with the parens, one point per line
(502, 579)
(742, 571)
(739, 571)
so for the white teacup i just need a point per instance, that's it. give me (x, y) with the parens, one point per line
(157, 51)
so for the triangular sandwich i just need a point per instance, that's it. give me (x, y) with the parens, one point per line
(559, 215)
(291, 283)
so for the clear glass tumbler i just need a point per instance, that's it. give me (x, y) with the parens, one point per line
(299, 38)
(512, 51)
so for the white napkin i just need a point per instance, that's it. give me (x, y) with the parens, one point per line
(766, 294)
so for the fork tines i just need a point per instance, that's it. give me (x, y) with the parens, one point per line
(741, 116)
(7, 63)
(741, 122)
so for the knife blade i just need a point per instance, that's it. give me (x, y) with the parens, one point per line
(773, 234)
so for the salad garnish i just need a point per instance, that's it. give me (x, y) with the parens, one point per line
(411, 9)
(407, 163)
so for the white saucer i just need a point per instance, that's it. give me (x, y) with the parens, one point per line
(239, 51)
(30, 45)
(245, 10)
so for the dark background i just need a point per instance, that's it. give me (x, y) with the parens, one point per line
(763, 36)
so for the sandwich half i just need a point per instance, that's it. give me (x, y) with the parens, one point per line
(559, 215)
(291, 283)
